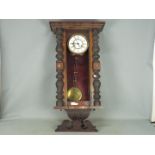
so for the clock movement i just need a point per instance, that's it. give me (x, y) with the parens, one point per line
(78, 66)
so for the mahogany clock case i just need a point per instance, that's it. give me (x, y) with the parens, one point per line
(88, 65)
(87, 72)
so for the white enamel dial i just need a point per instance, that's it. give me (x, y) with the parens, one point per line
(78, 44)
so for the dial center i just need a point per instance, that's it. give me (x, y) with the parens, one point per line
(78, 44)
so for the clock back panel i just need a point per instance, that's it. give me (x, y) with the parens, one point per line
(82, 83)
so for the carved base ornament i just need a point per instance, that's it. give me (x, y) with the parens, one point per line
(78, 71)
(76, 126)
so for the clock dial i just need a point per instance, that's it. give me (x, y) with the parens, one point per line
(78, 44)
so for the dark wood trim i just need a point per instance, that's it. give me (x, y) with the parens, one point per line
(59, 76)
(96, 70)
(65, 67)
(90, 66)
(77, 24)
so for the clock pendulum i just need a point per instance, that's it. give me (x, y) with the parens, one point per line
(74, 94)
(78, 72)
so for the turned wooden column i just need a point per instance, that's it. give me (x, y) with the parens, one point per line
(96, 68)
(59, 68)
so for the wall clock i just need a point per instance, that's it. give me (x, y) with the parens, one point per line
(78, 66)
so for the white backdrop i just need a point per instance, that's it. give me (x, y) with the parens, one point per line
(28, 69)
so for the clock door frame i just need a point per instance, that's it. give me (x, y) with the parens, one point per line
(86, 88)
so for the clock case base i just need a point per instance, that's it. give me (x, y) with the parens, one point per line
(76, 126)
(78, 121)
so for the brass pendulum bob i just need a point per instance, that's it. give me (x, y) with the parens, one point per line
(74, 94)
